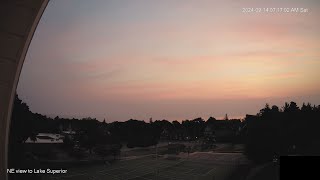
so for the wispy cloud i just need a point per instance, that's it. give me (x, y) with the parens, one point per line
(161, 57)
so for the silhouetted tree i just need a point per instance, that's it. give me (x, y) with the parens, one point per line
(292, 107)
(275, 109)
(211, 120)
(289, 131)
(265, 110)
(22, 124)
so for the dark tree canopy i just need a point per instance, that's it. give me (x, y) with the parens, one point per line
(272, 130)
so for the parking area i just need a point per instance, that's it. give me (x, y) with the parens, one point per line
(217, 166)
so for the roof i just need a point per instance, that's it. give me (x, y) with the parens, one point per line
(47, 138)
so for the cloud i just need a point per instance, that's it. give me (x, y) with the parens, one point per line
(169, 52)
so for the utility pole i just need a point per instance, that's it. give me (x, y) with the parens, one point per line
(157, 163)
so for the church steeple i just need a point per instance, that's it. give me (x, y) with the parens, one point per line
(226, 117)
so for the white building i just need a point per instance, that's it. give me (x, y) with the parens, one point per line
(47, 138)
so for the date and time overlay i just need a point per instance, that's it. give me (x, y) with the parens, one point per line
(274, 10)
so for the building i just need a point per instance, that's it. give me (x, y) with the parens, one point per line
(46, 138)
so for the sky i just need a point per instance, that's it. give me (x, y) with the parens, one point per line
(171, 59)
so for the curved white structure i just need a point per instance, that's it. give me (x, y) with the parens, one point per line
(18, 21)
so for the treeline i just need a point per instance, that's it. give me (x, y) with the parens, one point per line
(272, 131)
(278, 131)
(90, 131)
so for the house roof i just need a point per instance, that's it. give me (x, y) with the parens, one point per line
(46, 138)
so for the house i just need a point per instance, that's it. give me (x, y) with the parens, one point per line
(46, 138)
(45, 145)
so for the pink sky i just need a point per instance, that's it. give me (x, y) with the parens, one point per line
(170, 59)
